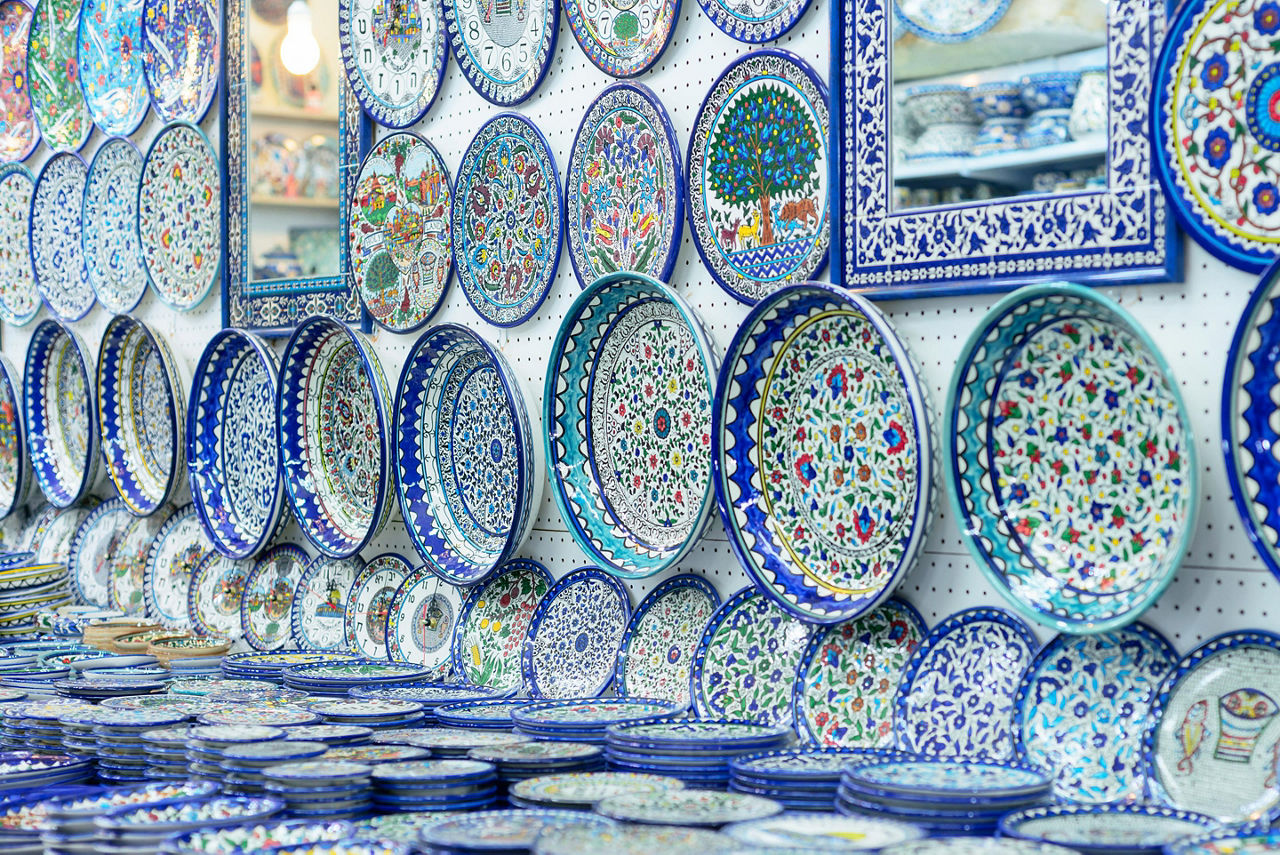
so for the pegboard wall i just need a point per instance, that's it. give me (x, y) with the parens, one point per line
(1222, 584)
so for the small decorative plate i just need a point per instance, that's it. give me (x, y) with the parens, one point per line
(368, 605)
(504, 830)
(112, 251)
(574, 636)
(631, 457)
(508, 220)
(504, 50)
(622, 39)
(976, 846)
(1058, 377)
(182, 56)
(1100, 828)
(96, 540)
(1230, 842)
(626, 211)
(15, 464)
(179, 548)
(747, 660)
(395, 55)
(949, 22)
(334, 449)
(632, 840)
(687, 807)
(180, 214)
(399, 241)
(52, 76)
(494, 624)
(956, 696)
(57, 409)
(56, 227)
(657, 650)
(319, 602)
(140, 411)
(824, 453)
(214, 595)
(421, 621)
(19, 298)
(862, 832)
(110, 73)
(759, 212)
(128, 564)
(942, 779)
(232, 449)
(755, 21)
(268, 595)
(19, 134)
(578, 789)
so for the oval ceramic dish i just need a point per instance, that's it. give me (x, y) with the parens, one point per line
(15, 463)
(494, 624)
(19, 297)
(52, 76)
(369, 604)
(181, 54)
(266, 603)
(574, 636)
(319, 602)
(656, 654)
(57, 408)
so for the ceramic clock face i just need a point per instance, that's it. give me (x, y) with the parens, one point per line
(503, 46)
(394, 51)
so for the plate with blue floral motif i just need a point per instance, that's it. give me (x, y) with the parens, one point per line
(395, 55)
(57, 409)
(112, 252)
(622, 39)
(318, 614)
(111, 74)
(15, 465)
(914, 777)
(369, 604)
(182, 56)
(1101, 829)
(57, 224)
(268, 596)
(657, 651)
(574, 636)
(19, 297)
(53, 78)
(863, 832)
(19, 134)
(504, 51)
(96, 540)
(757, 21)
(179, 547)
(421, 621)
(214, 594)
(128, 564)
(505, 830)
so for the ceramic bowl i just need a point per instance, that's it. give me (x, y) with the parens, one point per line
(1050, 90)
(1000, 99)
(58, 411)
(1089, 110)
(936, 104)
(15, 464)
(1046, 127)
(945, 140)
(999, 135)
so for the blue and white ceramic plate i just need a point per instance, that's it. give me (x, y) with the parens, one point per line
(1227, 842)
(656, 654)
(976, 846)
(19, 297)
(319, 602)
(56, 226)
(394, 56)
(574, 636)
(214, 595)
(128, 564)
(504, 51)
(421, 621)
(368, 604)
(232, 448)
(111, 74)
(508, 220)
(691, 807)
(467, 465)
(179, 547)
(756, 21)
(824, 453)
(58, 411)
(494, 625)
(334, 448)
(1098, 829)
(182, 56)
(631, 456)
(934, 777)
(864, 832)
(112, 252)
(505, 830)
(268, 596)
(949, 22)
(96, 540)
(622, 40)
(15, 463)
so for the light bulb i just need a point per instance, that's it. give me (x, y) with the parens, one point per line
(299, 50)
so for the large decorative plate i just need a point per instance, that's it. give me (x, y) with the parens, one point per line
(1237, 841)
(862, 832)
(112, 251)
(1060, 379)
(1124, 828)
(1214, 742)
(320, 601)
(502, 831)
(180, 215)
(268, 596)
(369, 604)
(467, 464)
(97, 539)
(949, 22)
(624, 202)
(631, 456)
(56, 225)
(687, 808)
(422, 620)
(128, 564)
(395, 55)
(182, 55)
(849, 676)
(1082, 711)
(746, 661)
(232, 449)
(494, 624)
(398, 237)
(956, 697)
(179, 548)
(504, 50)
(215, 593)
(140, 412)
(19, 134)
(334, 449)
(656, 654)
(759, 206)
(508, 220)
(620, 37)
(575, 635)
(824, 452)
(57, 409)
(111, 75)
(756, 21)
(15, 464)
(53, 79)
(55, 544)
(19, 298)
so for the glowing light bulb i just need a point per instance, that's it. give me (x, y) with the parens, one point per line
(299, 50)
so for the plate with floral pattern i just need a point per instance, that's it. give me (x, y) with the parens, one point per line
(111, 74)
(758, 21)
(631, 456)
(128, 564)
(182, 56)
(57, 223)
(949, 22)
(622, 39)
(112, 251)
(583, 789)
(15, 465)
(96, 540)
(1228, 842)
(503, 51)
(976, 846)
(948, 779)
(369, 604)
(57, 409)
(494, 624)
(422, 619)
(19, 297)
(318, 614)
(656, 654)
(268, 596)
(179, 547)
(823, 453)
(214, 594)
(394, 55)
(687, 807)
(574, 636)
(19, 134)
(1059, 378)
(1106, 828)
(864, 832)
(52, 76)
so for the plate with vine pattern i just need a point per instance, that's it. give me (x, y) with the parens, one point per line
(19, 134)
(57, 223)
(317, 617)
(182, 56)
(575, 634)
(128, 565)
(57, 409)
(19, 297)
(214, 595)
(494, 624)
(179, 547)
(112, 252)
(268, 596)
(369, 604)
(110, 73)
(656, 654)
(53, 78)
(422, 620)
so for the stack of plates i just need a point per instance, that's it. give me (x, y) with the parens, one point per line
(201, 686)
(206, 743)
(27, 588)
(166, 752)
(196, 666)
(260, 837)
(134, 829)
(803, 779)
(586, 720)
(270, 696)
(270, 666)
(584, 790)
(36, 680)
(375, 714)
(339, 678)
(21, 770)
(532, 759)
(697, 752)
(332, 735)
(242, 763)
(1119, 829)
(122, 754)
(321, 789)
(449, 742)
(68, 825)
(435, 785)
(431, 695)
(375, 755)
(271, 716)
(98, 689)
(34, 724)
(503, 831)
(480, 715)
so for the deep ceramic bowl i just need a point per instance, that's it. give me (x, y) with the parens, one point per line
(1046, 127)
(999, 135)
(58, 409)
(1050, 90)
(998, 99)
(945, 140)
(940, 103)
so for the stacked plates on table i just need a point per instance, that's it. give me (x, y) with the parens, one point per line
(435, 785)
(193, 666)
(584, 790)
(117, 734)
(68, 821)
(449, 742)
(804, 779)
(27, 588)
(34, 724)
(1119, 829)
(331, 734)
(21, 770)
(203, 686)
(166, 751)
(270, 666)
(374, 714)
(262, 836)
(270, 697)
(35, 680)
(533, 759)
(321, 789)
(480, 715)
(503, 831)
(134, 829)
(432, 695)
(101, 689)
(339, 678)
(242, 763)
(586, 720)
(376, 755)
(697, 752)
(206, 743)
(271, 716)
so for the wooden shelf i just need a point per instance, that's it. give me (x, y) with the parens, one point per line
(313, 203)
(1010, 167)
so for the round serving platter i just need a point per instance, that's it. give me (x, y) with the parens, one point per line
(369, 601)
(112, 251)
(128, 564)
(19, 297)
(179, 548)
(503, 51)
(57, 223)
(181, 53)
(58, 411)
(110, 73)
(574, 636)
(15, 463)
(52, 76)
(266, 603)
(319, 602)
(656, 654)
(494, 624)
(421, 620)
(394, 57)
(19, 134)
(214, 595)
(96, 540)
(1107, 828)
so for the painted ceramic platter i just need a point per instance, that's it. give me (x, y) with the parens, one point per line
(631, 457)
(96, 540)
(467, 464)
(687, 807)
(15, 464)
(949, 22)
(56, 226)
(398, 236)
(824, 457)
(53, 80)
(319, 602)
(948, 779)
(503, 51)
(621, 38)
(179, 547)
(956, 697)
(55, 546)
(368, 605)
(395, 55)
(863, 832)
(19, 297)
(182, 56)
(180, 215)
(19, 134)
(111, 75)
(656, 654)
(1058, 378)
(759, 212)
(232, 449)
(214, 595)
(268, 596)
(57, 409)
(1103, 828)
(574, 636)
(128, 564)
(632, 840)
(579, 789)
(422, 619)
(112, 252)
(494, 624)
(975, 846)
(756, 21)
(504, 830)
(507, 221)
(1230, 842)
(624, 203)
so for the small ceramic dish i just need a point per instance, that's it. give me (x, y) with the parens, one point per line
(940, 103)
(58, 411)
(999, 99)
(1050, 90)
(1046, 127)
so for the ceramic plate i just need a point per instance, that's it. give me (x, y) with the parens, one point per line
(56, 226)
(657, 650)
(941, 779)
(111, 75)
(214, 595)
(268, 595)
(182, 56)
(15, 465)
(332, 411)
(494, 624)
(1120, 828)
(505, 830)
(319, 602)
(180, 546)
(19, 298)
(128, 564)
(862, 832)
(761, 221)
(975, 846)
(574, 636)
(628, 209)
(1060, 378)
(394, 56)
(180, 214)
(55, 547)
(573, 789)
(824, 477)
(19, 135)
(422, 619)
(631, 457)
(369, 605)
(1236, 842)
(503, 51)
(508, 220)
(398, 239)
(232, 449)
(97, 539)
(687, 807)
(620, 39)
(112, 252)
(633, 840)
(52, 77)
(949, 22)
(57, 408)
